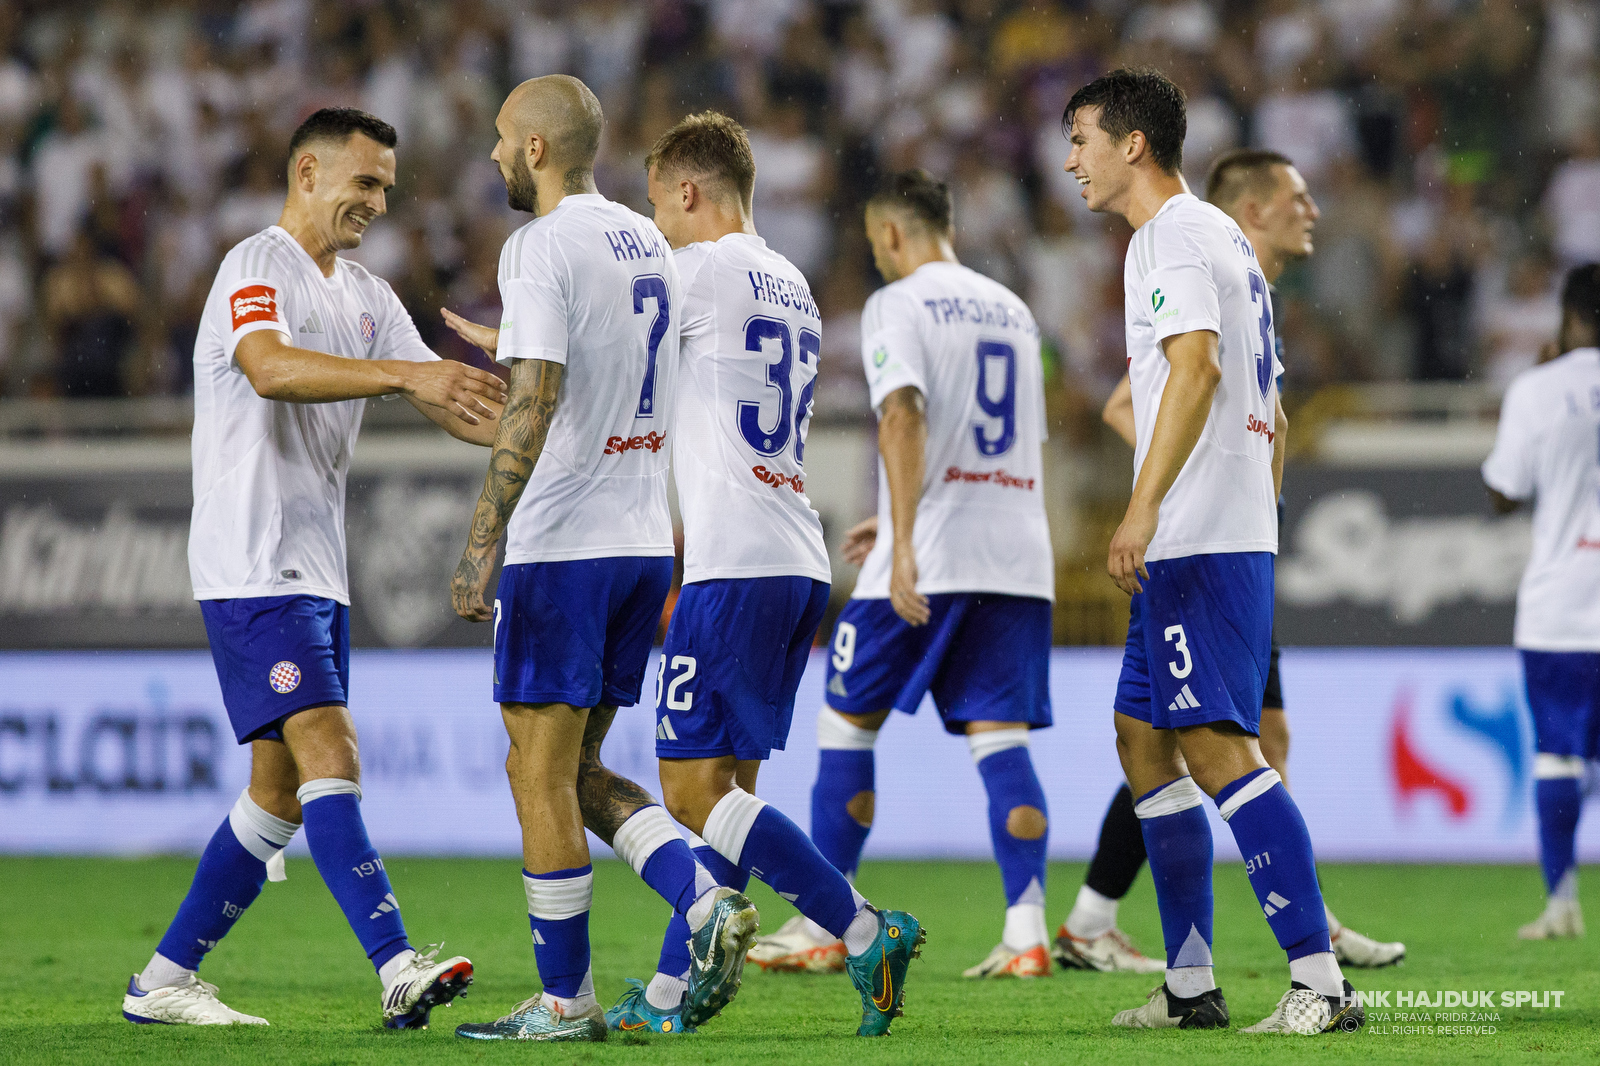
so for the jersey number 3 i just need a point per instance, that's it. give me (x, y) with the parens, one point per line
(1259, 293)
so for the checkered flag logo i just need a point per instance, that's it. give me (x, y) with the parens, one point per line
(284, 678)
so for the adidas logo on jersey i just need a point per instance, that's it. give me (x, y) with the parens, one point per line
(312, 324)
(389, 903)
(1184, 702)
(1274, 904)
(664, 729)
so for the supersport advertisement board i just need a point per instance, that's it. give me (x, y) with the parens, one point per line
(1397, 755)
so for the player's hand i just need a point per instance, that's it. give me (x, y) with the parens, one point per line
(456, 387)
(859, 541)
(1125, 561)
(907, 602)
(469, 588)
(485, 337)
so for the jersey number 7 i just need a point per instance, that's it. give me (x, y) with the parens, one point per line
(651, 287)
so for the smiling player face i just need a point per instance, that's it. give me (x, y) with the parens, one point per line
(1099, 163)
(350, 189)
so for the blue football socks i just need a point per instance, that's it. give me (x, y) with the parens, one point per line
(649, 842)
(1019, 828)
(558, 913)
(350, 866)
(1177, 838)
(1276, 847)
(1559, 801)
(844, 771)
(230, 875)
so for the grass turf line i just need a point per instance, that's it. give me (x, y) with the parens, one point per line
(74, 929)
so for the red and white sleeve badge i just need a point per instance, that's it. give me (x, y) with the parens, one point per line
(253, 303)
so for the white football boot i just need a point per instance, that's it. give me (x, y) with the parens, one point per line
(1003, 962)
(190, 1002)
(1561, 919)
(423, 984)
(1303, 1012)
(1353, 949)
(794, 949)
(1110, 952)
(1163, 1010)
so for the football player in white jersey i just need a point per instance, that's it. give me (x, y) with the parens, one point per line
(293, 339)
(755, 573)
(954, 596)
(1263, 192)
(1548, 451)
(1195, 551)
(577, 485)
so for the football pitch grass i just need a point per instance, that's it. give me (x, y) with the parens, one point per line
(72, 930)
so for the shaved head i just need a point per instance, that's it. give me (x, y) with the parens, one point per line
(561, 110)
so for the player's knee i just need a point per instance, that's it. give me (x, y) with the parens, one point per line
(862, 806)
(1026, 822)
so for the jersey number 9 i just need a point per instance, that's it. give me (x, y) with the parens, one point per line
(1004, 407)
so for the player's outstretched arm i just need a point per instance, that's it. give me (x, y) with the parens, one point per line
(278, 371)
(1185, 406)
(902, 441)
(524, 425)
(480, 431)
(1118, 412)
(859, 541)
(486, 338)
(1279, 448)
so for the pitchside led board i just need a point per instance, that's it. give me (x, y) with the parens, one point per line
(1412, 754)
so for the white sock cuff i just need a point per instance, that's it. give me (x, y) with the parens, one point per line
(642, 835)
(261, 834)
(729, 823)
(983, 745)
(1171, 798)
(323, 787)
(1550, 767)
(553, 899)
(696, 842)
(836, 731)
(1259, 784)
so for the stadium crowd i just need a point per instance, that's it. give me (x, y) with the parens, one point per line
(1452, 145)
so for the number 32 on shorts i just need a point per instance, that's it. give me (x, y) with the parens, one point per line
(1182, 648)
(684, 666)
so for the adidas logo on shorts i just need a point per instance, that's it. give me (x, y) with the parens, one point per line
(1184, 702)
(664, 729)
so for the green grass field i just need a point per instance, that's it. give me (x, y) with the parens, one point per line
(73, 929)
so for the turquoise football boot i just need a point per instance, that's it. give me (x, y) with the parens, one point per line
(633, 1013)
(879, 973)
(716, 956)
(532, 1020)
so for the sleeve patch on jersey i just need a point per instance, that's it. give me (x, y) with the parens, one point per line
(253, 303)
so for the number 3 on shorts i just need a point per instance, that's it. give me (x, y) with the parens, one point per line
(844, 646)
(1182, 648)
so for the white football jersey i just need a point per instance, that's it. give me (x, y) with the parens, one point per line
(751, 338)
(269, 477)
(1190, 268)
(592, 285)
(1548, 450)
(971, 347)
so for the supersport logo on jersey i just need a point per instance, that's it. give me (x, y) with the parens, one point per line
(254, 303)
(997, 477)
(777, 480)
(650, 442)
(1255, 425)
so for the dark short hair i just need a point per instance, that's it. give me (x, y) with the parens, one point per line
(337, 124)
(1244, 170)
(1580, 295)
(708, 146)
(1137, 98)
(921, 194)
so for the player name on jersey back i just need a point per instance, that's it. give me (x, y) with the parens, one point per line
(751, 341)
(592, 285)
(1548, 450)
(269, 476)
(971, 348)
(1191, 269)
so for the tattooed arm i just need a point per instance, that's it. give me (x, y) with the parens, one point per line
(524, 425)
(606, 799)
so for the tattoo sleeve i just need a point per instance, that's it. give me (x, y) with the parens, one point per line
(605, 798)
(524, 424)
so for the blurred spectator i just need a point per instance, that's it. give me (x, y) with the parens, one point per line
(1520, 320)
(91, 307)
(1572, 202)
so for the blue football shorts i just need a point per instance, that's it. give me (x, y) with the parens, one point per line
(1564, 696)
(276, 656)
(733, 658)
(984, 656)
(1199, 642)
(577, 631)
